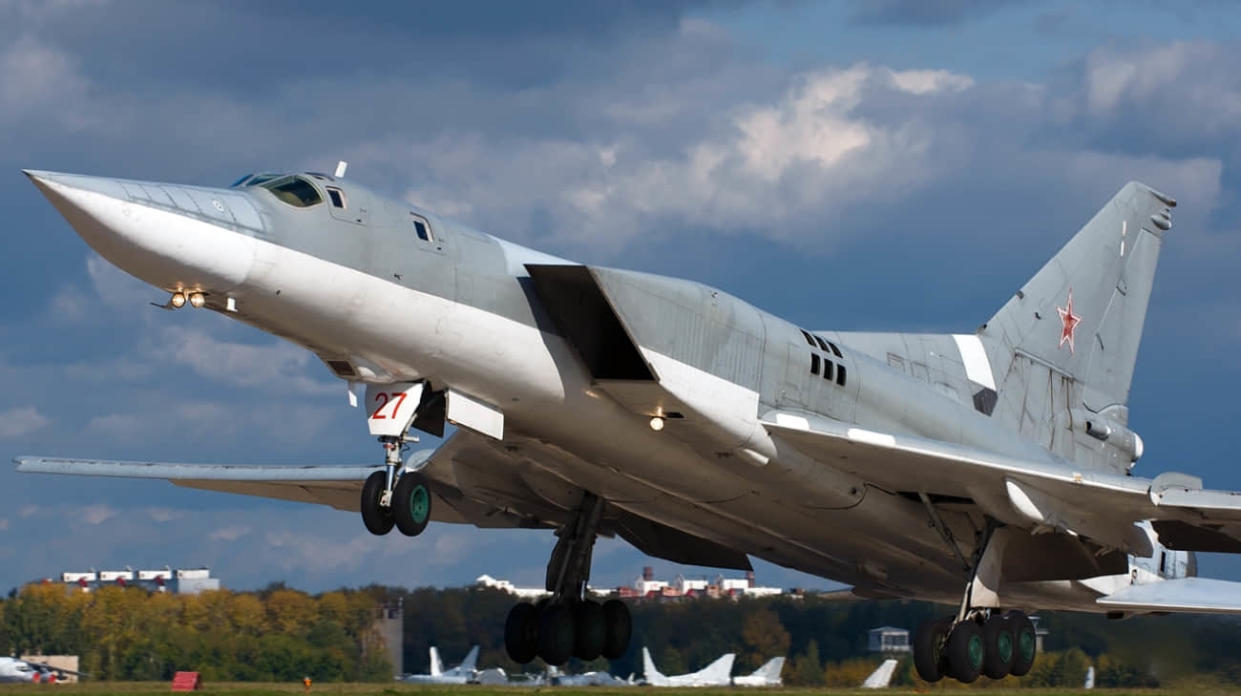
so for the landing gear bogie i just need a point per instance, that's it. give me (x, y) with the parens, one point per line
(568, 623)
(985, 643)
(554, 631)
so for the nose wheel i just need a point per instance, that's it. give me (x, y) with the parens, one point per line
(569, 624)
(395, 498)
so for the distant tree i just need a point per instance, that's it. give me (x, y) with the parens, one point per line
(764, 636)
(849, 673)
(807, 668)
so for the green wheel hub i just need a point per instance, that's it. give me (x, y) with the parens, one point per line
(419, 503)
(975, 651)
(1004, 646)
(1025, 645)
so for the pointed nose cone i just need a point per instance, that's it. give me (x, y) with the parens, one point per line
(166, 246)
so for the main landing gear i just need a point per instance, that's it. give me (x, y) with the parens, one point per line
(985, 643)
(568, 623)
(979, 639)
(393, 497)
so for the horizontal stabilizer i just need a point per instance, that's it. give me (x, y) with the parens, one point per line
(1184, 595)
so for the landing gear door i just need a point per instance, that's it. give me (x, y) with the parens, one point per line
(390, 408)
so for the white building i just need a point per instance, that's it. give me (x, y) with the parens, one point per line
(888, 639)
(180, 581)
(506, 586)
(686, 585)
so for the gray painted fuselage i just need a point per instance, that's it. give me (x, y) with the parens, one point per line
(497, 342)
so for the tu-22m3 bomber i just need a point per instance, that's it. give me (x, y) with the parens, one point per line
(991, 471)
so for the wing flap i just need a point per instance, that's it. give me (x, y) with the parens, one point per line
(1183, 595)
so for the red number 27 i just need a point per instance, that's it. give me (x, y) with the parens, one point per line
(383, 399)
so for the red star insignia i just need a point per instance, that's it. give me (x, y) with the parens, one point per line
(1069, 322)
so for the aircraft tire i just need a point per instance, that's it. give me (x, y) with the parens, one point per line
(556, 634)
(966, 651)
(590, 633)
(411, 504)
(928, 649)
(997, 634)
(1025, 644)
(378, 521)
(521, 633)
(618, 628)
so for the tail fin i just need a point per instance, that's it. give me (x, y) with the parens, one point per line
(881, 677)
(437, 667)
(720, 671)
(1068, 340)
(649, 671)
(470, 661)
(771, 670)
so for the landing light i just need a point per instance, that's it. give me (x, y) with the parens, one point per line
(657, 424)
(197, 299)
(177, 300)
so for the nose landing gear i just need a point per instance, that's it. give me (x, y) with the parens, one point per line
(568, 624)
(394, 497)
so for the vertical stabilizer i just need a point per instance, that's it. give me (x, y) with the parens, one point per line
(770, 672)
(650, 673)
(881, 677)
(470, 662)
(1065, 345)
(437, 667)
(719, 672)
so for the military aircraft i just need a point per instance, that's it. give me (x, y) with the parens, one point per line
(767, 675)
(991, 469)
(13, 670)
(592, 678)
(464, 673)
(718, 673)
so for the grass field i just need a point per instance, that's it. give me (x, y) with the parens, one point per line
(275, 689)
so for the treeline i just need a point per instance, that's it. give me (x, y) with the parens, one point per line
(282, 634)
(127, 633)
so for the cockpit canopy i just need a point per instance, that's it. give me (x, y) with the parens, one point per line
(293, 189)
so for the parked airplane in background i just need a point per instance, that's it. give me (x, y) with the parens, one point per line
(1089, 683)
(767, 675)
(717, 673)
(464, 673)
(881, 677)
(989, 470)
(13, 670)
(587, 679)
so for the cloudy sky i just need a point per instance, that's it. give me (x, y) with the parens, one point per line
(887, 165)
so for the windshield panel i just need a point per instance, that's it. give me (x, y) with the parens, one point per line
(241, 181)
(295, 191)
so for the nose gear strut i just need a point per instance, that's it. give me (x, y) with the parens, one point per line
(569, 623)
